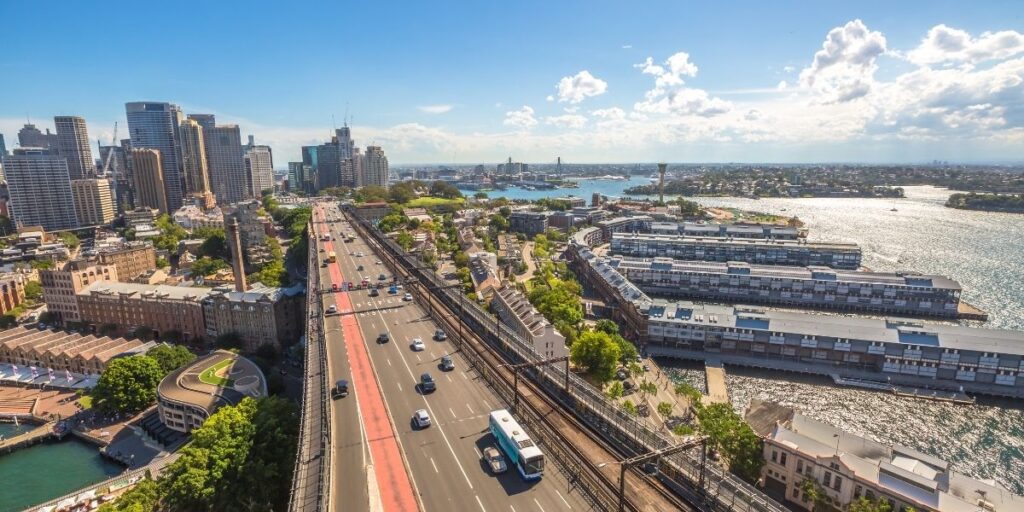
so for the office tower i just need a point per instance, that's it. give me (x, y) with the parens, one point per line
(329, 163)
(346, 145)
(119, 175)
(147, 171)
(294, 176)
(259, 168)
(375, 167)
(155, 125)
(224, 159)
(3, 145)
(73, 145)
(352, 169)
(30, 137)
(94, 204)
(193, 158)
(40, 190)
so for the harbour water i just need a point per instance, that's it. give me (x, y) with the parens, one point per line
(983, 251)
(48, 470)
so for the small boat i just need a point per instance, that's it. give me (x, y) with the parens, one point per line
(893, 210)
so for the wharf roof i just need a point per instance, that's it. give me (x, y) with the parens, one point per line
(742, 242)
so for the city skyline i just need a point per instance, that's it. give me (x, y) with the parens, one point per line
(789, 84)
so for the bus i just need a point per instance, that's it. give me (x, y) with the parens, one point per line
(332, 257)
(518, 446)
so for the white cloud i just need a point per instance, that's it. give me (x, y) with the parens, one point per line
(782, 85)
(522, 118)
(670, 97)
(579, 87)
(550, 97)
(613, 113)
(844, 68)
(627, 46)
(435, 109)
(788, 69)
(947, 44)
(574, 121)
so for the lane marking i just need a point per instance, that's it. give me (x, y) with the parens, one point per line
(471, 411)
(453, 413)
(538, 505)
(389, 361)
(449, 377)
(435, 465)
(480, 503)
(399, 385)
(563, 499)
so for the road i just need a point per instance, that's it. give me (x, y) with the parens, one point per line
(443, 461)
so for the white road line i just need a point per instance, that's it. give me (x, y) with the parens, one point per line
(389, 361)
(464, 376)
(453, 413)
(538, 505)
(399, 386)
(513, 508)
(478, 502)
(435, 465)
(563, 499)
(449, 377)
(478, 452)
(471, 411)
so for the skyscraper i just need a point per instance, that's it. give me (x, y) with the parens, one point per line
(119, 174)
(40, 189)
(259, 168)
(73, 145)
(329, 163)
(3, 145)
(375, 167)
(346, 144)
(94, 204)
(294, 176)
(155, 125)
(224, 159)
(352, 169)
(147, 171)
(193, 158)
(30, 137)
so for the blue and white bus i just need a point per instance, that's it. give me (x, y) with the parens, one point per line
(518, 446)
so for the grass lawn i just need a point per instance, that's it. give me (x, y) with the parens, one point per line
(427, 202)
(209, 375)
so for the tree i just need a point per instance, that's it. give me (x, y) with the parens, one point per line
(614, 391)
(401, 193)
(144, 497)
(607, 326)
(171, 357)
(738, 443)
(128, 384)
(205, 266)
(682, 430)
(863, 504)
(814, 493)
(665, 409)
(162, 263)
(629, 407)
(647, 389)
(596, 353)
(627, 350)
(69, 239)
(371, 194)
(498, 223)
(214, 246)
(391, 222)
(33, 291)
(480, 195)
(460, 259)
(445, 190)
(690, 392)
(143, 332)
(404, 240)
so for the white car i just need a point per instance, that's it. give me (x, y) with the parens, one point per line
(332, 309)
(407, 297)
(421, 418)
(494, 460)
(417, 345)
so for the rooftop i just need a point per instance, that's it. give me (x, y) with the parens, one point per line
(138, 290)
(214, 380)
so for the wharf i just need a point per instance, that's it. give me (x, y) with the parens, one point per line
(714, 374)
(965, 311)
(29, 438)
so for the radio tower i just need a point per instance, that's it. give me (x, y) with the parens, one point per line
(661, 183)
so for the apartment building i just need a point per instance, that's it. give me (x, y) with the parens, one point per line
(528, 223)
(767, 252)
(846, 467)
(515, 311)
(260, 316)
(164, 309)
(808, 287)
(131, 259)
(12, 291)
(94, 202)
(61, 286)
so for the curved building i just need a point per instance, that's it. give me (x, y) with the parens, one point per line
(189, 395)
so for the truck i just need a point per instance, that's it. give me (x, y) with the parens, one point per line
(332, 257)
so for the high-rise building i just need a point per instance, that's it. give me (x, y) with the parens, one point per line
(147, 171)
(224, 159)
(30, 137)
(39, 189)
(193, 158)
(3, 145)
(119, 174)
(352, 169)
(345, 142)
(329, 163)
(375, 167)
(155, 125)
(259, 168)
(94, 204)
(73, 145)
(294, 176)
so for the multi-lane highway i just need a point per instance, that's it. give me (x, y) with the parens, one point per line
(380, 461)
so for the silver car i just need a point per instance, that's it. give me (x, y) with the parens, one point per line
(495, 461)
(421, 418)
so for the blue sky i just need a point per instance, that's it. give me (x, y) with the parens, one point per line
(478, 81)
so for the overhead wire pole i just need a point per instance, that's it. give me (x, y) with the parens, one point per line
(625, 465)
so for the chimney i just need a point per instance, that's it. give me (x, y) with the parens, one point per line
(661, 183)
(237, 257)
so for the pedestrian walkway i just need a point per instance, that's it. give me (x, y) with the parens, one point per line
(714, 374)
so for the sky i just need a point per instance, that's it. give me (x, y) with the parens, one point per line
(589, 81)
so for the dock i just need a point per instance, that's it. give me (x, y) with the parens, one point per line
(31, 437)
(714, 374)
(965, 311)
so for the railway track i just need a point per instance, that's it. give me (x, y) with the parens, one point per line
(589, 461)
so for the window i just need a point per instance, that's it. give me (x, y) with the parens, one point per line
(775, 456)
(796, 492)
(857, 490)
(838, 483)
(799, 466)
(828, 479)
(782, 458)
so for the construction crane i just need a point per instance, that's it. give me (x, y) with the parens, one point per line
(110, 154)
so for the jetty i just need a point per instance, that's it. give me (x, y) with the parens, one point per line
(714, 375)
(956, 397)
(36, 435)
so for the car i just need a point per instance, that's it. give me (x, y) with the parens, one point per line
(321, 249)
(334, 287)
(447, 364)
(439, 335)
(383, 338)
(340, 389)
(374, 292)
(622, 374)
(359, 268)
(382, 277)
(421, 418)
(427, 383)
(393, 290)
(332, 309)
(495, 461)
(417, 345)
(379, 263)
(407, 297)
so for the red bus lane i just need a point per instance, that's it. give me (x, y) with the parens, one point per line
(396, 489)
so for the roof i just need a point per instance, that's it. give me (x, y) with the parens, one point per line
(683, 239)
(139, 290)
(185, 385)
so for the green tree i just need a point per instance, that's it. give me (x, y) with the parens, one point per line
(665, 409)
(205, 266)
(214, 246)
(733, 437)
(371, 194)
(33, 291)
(162, 263)
(128, 384)
(171, 357)
(391, 222)
(607, 326)
(596, 353)
(480, 195)
(445, 190)
(684, 389)
(627, 350)
(144, 497)
(401, 193)
(69, 239)
(682, 430)
(629, 407)
(647, 389)
(41, 264)
(404, 240)
(614, 390)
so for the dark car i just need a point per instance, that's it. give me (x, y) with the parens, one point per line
(427, 383)
(374, 292)
(383, 338)
(447, 364)
(439, 335)
(340, 389)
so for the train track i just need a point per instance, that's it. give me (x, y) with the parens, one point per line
(580, 452)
